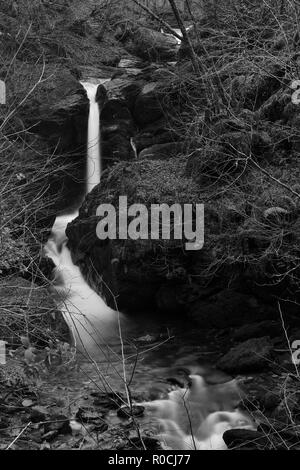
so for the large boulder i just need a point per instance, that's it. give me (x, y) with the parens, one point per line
(56, 108)
(140, 265)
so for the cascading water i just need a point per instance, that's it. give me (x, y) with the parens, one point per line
(92, 323)
(195, 418)
(93, 145)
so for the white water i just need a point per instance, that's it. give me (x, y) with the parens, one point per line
(196, 418)
(92, 323)
(93, 143)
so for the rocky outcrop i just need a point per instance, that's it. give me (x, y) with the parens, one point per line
(139, 263)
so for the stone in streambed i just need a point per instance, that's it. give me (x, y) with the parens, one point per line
(250, 356)
(245, 439)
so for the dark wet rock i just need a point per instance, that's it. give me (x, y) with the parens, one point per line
(162, 151)
(148, 107)
(128, 412)
(257, 330)
(101, 96)
(83, 240)
(250, 356)
(38, 414)
(227, 309)
(176, 382)
(245, 439)
(57, 110)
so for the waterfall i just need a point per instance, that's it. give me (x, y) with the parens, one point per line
(91, 322)
(93, 143)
